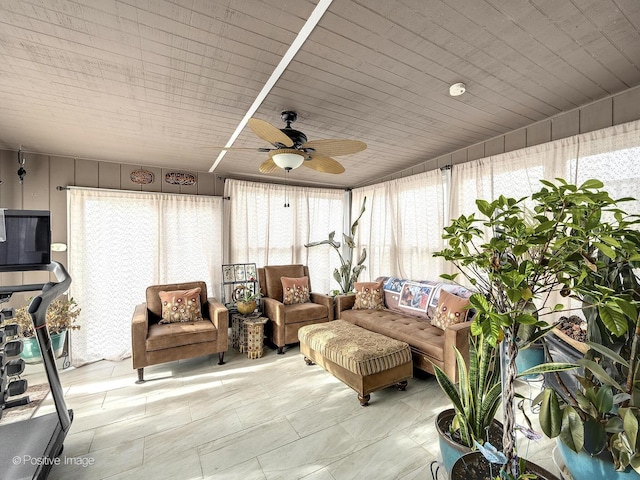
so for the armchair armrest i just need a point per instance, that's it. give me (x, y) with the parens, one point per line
(274, 310)
(323, 299)
(344, 302)
(139, 331)
(455, 336)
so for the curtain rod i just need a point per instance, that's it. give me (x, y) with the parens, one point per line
(95, 189)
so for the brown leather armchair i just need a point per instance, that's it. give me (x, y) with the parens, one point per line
(286, 320)
(154, 342)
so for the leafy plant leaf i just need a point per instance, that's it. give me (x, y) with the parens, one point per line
(595, 438)
(550, 414)
(599, 372)
(572, 433)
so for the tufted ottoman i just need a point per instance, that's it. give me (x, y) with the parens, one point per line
(364, 360)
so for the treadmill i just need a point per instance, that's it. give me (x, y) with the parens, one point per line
(29, 448)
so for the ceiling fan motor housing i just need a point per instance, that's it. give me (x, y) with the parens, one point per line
(297, 137)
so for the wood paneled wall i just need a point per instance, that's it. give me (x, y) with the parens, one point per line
(39, 192)
(614, 110)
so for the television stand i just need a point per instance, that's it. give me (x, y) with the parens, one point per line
(28, 449)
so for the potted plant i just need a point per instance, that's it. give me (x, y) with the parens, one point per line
(62, 316)
(475, 399)
(596, 419)
(348, 273)
(516, 255)
(246, 299)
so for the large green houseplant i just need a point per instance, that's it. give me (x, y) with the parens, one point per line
(602, 416)
(516, 254)
(350, 269)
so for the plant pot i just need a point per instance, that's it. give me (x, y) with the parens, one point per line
(452, 450)
(561, 350)
(31, 349)
(473, 466)
(583, 466)
(245, 308)
(530, 357)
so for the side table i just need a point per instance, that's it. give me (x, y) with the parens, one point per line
(254, 328)
(247, 333)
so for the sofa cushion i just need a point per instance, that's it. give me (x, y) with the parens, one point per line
(272, 285)
(170, 335)
(302, 312)
(368, 296)
(451, 310)
(295, 290)
(181, 305)
(154, 304)
(417, 332)
(453, 289)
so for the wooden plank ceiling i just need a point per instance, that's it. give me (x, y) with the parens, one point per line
(161, 83)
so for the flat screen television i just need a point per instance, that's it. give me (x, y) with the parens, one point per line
(28, 240)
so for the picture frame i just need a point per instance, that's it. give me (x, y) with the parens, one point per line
(250, 272)
(228, 274)
(240, 274)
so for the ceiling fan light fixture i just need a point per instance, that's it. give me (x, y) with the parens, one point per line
(288, 160)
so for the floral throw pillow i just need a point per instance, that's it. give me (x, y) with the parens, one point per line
(451, 309)
(295, 290)
(368, 296)
(181, 306)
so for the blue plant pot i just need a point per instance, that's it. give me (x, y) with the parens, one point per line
(528, 358)
(583, 466)
(31, 349)
(450, 450)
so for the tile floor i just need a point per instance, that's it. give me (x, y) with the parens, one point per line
(270, 418)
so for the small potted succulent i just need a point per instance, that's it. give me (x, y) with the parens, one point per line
(246, 299)
(62, 315)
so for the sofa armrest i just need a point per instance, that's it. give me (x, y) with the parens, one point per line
(455, 336)
(139, 331)
(326, 300)
(344, 302)
(219, 316)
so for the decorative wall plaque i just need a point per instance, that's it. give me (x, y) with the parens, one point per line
(141, 177)
(180, 178)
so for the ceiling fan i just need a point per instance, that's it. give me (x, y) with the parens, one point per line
(291, 148)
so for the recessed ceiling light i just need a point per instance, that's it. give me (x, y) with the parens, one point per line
(457, 89)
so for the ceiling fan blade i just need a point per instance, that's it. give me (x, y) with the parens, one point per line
(268, 132)
(330, 147)
(268, 166)
(321, 163)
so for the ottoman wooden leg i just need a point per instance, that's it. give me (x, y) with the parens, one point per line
(364, 399)
(402, 386)
(308, 361)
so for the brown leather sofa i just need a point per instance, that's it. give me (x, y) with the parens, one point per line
(429, 344)
(286, 320)
(154, 343)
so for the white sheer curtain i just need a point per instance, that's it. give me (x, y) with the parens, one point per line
(262, 231)
(612, 156)
(514, 174)
(402, 226)
(609, 155)
(120, 243)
